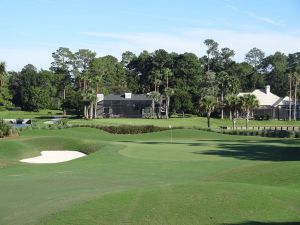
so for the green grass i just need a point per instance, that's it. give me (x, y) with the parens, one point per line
(29, 115)
(196, 177)
(44, 115)
(182, 122)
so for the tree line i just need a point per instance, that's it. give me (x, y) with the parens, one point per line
(182, 81)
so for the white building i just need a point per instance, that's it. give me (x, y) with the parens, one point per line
(266, 98)
(271, 104)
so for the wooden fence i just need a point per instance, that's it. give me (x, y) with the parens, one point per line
(290, 128)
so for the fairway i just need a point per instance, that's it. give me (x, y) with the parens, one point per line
(192, 177)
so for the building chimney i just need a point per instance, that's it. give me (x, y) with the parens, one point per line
(100, 97)
(268, 89)
(128, 95)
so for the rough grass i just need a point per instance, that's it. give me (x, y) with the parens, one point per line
(196, 177)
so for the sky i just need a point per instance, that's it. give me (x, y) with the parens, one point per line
(32, 29)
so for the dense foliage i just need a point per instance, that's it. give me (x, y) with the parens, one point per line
(181, 81)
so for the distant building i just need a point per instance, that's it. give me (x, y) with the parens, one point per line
(126, 105)
(271, 104)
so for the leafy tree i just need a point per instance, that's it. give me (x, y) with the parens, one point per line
(255, 58)
(209, 85)
(5, 96)
(39, 85)
(81, 62)
(182, 101)
(35, 98)
(62, 67)
(212, 50)
(248, 103)
(208, 104)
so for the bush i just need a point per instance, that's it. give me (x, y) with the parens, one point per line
(262, 117)
(264, 133)
(6, 129)
(126, 129)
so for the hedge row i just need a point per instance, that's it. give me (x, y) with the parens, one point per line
(125, 129)
(265, 133)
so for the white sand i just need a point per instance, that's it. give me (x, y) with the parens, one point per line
(54, 157)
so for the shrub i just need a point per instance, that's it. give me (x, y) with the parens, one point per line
(265, 133)
(126, 129)
(6, 129)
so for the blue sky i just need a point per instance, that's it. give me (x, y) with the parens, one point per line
(32, 29)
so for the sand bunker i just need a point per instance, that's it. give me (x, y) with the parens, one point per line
(54, 157)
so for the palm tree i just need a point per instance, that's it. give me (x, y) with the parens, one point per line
(168, 92)
(223, 84)
(208, 103)
(167, 73)
(248, 103)
(154, 95)
(290, 75)
(233, 103)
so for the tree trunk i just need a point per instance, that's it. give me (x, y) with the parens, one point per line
(295, 101)
(160, 102)
(208, 119)
(64, 102)
(222, 110)
(91, 110)
(85, 111)
(207, 62)
(167, 82)
(167, 107)
(95, 110)
(290, 100)
(247, 118)
(153, 108)
(230, 114)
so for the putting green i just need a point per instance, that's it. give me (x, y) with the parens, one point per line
(179, 151)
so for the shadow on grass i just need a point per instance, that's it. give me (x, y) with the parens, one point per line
(264, 150)
(256, 151)
(56, 117)
(262, 223)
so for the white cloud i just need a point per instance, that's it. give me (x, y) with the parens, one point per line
(257, 17)
(180, 41)
(191, 40)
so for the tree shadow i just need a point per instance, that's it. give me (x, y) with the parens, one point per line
(259, 150)
(262, 223)
(263, 150)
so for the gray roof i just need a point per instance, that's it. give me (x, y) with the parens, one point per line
(121, 97)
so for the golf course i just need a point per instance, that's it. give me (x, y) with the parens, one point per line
(172, 177)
